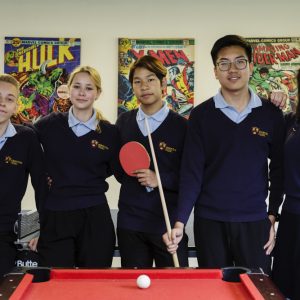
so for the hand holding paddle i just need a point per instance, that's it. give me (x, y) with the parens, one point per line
(134, 156)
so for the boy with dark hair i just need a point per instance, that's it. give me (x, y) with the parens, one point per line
(20, 155)
(140, 219)
(229, 41)
(225, 169)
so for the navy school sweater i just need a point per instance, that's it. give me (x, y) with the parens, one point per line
(78, 166)
(225, 171)
(20, 156)
(292, 165)
(140, 210)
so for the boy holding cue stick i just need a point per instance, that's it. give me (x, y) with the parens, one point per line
(140, 220)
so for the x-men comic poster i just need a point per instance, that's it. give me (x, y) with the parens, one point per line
(177, 55)
(276, 63)
(42, 67)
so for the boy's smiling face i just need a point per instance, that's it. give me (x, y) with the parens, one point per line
(148, 88)
(8, 101)
(234, 79)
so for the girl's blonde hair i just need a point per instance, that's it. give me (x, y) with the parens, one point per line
(95, 76)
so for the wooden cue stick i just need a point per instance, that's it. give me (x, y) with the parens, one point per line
(161, 193)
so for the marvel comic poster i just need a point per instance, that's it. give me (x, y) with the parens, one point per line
(42, 67)
(276, 63)
(177, 55)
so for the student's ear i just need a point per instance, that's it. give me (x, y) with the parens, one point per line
(215, 71)
(251, 66)
(16, 106)
(164, 83)
(98, 94)
(164, 86)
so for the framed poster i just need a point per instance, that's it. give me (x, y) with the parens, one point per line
(42, 67)
(276, 63)
(177, 55)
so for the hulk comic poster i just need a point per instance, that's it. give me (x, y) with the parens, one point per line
(177, 55)
(42, 67)
(276, 63)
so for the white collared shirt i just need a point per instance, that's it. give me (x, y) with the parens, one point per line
(82, 128)
(154, 120)
(231, 112)
(9, 132)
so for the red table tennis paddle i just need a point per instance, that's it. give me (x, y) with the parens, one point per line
(134, 156)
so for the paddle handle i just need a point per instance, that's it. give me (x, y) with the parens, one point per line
(161, 193)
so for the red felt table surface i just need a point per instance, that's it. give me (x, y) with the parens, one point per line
(121, 284)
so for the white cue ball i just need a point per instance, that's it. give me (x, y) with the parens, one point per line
(143, 281)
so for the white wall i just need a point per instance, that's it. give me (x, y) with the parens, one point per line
(99, 23)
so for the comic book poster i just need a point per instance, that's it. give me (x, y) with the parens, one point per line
(177, 55)
(42, 67)
(276, 63)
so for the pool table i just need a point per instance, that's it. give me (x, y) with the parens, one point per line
(90, 284)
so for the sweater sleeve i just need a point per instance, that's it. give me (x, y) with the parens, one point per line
(170, 180)
(119, 172)
(192, 167)
(276, 164)
(114, 164)
(36, 170)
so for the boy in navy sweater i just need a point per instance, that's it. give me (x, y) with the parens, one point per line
(140, 219)
(20, 155)
(225, 168)
(286, 272)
